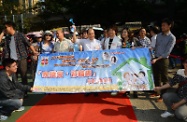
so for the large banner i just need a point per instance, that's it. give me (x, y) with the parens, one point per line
(95, 71)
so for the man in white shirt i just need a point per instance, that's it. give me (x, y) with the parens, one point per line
(90, 43)
(63, 44)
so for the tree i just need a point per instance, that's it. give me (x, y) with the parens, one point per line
(101, 11)
(54, 13)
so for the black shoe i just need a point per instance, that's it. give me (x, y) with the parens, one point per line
(96, 94)
(135, 95)
(86, 94)
(126, 94)
(26, 96)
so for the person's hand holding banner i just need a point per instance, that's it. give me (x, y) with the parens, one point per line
(157, 89)
(32, 89)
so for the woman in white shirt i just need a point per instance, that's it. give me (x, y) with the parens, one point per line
(112, 42)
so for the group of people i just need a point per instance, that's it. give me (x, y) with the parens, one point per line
(15, 55)
(160, 44)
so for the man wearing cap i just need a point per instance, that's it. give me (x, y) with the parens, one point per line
(16, 47)
(89, 44)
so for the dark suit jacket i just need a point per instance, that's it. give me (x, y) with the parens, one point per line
(11, 89)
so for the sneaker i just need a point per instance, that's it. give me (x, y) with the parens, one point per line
(154, 95)
(135, 95)
(22, 108)
(167, 114)
(114, 93)
(3, 117)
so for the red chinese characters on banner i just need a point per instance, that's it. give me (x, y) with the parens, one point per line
(60, 74)
(81, 73)
(52, 74)
(88, 73)
(73, 73)
(100, 80)
(45, 74)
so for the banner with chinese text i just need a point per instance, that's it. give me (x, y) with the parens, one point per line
(94, 71)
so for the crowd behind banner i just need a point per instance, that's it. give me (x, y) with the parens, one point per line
(161, 43)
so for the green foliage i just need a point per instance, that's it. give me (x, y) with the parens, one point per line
(10, 7)
(104, 12)
(27, 24)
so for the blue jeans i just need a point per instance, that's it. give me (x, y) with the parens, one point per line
(172, 62)
(170, 98)
(9, 105)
